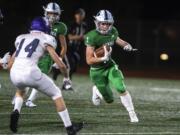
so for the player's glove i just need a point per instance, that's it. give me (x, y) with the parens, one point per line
(107, 54)
(128, 48)
(5, 58)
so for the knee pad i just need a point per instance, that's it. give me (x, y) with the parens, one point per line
(56, 93)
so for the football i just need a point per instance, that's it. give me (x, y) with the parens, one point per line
(99, 52)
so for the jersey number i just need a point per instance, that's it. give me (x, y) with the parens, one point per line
(30, 48)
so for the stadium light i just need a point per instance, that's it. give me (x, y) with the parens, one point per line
(164, 56)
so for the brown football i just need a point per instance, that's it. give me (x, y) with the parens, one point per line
(99, 52)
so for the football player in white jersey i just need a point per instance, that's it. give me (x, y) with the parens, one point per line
(24, 72)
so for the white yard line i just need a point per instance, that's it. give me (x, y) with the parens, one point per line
(165, 89)
(130, 133)
(140, 133)
(157, 89)
(7, 113)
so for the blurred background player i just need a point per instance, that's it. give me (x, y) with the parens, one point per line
(76, 47)
(4, 61)
(29, 49)
(58, 29)
(1, 17)
(104, 72)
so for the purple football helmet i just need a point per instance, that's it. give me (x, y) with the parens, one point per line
(39, 24)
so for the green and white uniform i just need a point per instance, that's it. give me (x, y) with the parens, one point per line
(105, 75)
(45, 63)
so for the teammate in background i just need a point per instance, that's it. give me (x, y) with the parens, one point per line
(4, 61)
(29, 49)
(1, 17)
(76, 48)
(59, 31)
(104, 71)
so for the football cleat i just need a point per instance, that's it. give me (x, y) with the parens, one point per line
(96, 96)
(14, 121)
(72, 130)
(30, 104)
(133, 117)
(67, 85)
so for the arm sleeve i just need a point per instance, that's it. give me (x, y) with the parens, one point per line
(116, 33)
(17, 41)
(62, 29)
(89, 40)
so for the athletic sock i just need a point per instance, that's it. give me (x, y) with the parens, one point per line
(33, 95)
(26, 90)
(127, 102)
(98, 92)
(18, 103)
(65, 118)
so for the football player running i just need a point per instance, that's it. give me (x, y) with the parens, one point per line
(58, 29)
(104, 72)
(24, 72)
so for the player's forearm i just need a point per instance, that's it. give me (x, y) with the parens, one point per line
(62, 40)
(75, 37)
(63, 52)
(121, 42)
(58, 61)
(11, 61)
(64, 71)
(62, 67)
(90, 58)
(93, 60)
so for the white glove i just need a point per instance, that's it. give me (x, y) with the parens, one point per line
(128, 48)
(106, 54)
(5, 66)
(55, 65)
(5, 58)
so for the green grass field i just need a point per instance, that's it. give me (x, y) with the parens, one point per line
(157, 103)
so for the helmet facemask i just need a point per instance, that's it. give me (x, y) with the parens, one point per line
(52, 17)
(103, 27)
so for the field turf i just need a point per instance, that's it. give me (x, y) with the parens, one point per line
(157, 103)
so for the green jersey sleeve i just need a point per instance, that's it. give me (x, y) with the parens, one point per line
(89, 39)
(59, 29)
(116, 33)
(62, 29)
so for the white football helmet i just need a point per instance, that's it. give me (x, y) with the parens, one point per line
(104, 16)
(52, 12)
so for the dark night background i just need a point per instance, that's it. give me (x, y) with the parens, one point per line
(151, 26)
